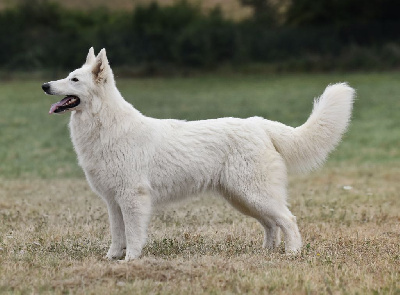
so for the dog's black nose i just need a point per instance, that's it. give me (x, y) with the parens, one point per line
(46, 87)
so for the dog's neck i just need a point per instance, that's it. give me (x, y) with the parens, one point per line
(106, 107)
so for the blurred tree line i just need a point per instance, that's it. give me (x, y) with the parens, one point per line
(286, 35)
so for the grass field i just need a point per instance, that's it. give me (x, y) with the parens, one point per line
(54, 230)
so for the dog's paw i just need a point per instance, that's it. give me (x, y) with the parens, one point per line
(131, 255)
(115, 253)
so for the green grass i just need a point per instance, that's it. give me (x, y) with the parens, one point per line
(34, 144)
(54, 231)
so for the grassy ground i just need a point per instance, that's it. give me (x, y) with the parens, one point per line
(54, 231)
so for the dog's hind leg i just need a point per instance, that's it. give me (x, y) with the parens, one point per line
(136, 210)
(287, 223)
(274, 217)
(259, 190)
(117, 227)
(272, 234)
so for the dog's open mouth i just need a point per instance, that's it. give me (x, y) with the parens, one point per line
(67, 103)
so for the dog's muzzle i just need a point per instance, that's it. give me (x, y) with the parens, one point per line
(46, 88)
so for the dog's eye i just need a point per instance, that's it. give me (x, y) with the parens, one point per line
(74, 79)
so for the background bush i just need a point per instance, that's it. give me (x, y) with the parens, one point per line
(40, 34)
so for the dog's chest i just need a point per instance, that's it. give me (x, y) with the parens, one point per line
(100, 154)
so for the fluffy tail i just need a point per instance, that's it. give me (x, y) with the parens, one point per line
(306, 147)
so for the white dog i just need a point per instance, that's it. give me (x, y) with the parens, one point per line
(135, 163)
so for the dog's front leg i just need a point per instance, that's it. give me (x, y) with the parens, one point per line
(136, 211)
(117, 227)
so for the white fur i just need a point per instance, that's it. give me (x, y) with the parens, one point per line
(135, 163)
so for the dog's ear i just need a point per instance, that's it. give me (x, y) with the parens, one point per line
(90, 57)
(101, 68)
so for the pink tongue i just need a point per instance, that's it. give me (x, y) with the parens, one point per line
(54, 106)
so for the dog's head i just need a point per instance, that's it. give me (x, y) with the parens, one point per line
(83, 86)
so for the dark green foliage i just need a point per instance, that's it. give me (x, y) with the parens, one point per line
(206, 42)
(263, 11)
(155, 30)
(307, 12)
(325, 35)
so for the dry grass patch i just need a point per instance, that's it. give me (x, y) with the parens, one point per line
(54, 234)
